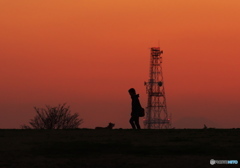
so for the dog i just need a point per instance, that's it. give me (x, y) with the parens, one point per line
(110, 126)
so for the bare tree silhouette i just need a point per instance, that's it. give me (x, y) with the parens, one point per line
(59, 117)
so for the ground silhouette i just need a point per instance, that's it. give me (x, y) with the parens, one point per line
(110, 126)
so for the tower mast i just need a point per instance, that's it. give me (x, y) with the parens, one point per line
(156, 113)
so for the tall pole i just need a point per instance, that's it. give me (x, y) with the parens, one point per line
(156, 112)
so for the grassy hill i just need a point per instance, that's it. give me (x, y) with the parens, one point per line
(81, 148)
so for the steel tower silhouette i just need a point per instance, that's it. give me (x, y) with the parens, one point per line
(156, 112)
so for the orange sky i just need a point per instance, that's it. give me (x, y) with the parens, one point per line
(88, 53)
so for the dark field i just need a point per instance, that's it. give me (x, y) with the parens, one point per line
(173, 148)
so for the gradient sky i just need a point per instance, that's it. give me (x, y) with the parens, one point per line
(88, 53)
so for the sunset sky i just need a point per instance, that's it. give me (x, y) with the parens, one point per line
(88, 53)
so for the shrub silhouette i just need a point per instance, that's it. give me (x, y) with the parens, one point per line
(59, 117)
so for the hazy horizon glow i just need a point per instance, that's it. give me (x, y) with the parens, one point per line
(89, 53)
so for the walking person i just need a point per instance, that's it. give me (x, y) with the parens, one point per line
(136, 106)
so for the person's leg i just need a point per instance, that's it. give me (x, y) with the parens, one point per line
(132, 123)
(137, 122)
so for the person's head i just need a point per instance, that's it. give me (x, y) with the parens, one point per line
(132, 91)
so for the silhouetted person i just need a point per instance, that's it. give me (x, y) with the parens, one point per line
(134, 120)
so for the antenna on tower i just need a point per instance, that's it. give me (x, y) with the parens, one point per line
(156, 112)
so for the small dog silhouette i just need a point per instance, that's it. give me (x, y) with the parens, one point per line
(110, 126)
